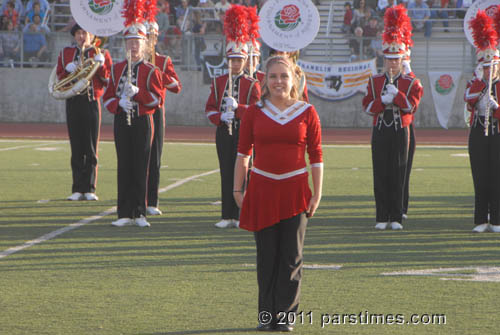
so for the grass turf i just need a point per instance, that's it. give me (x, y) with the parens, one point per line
(183, 276)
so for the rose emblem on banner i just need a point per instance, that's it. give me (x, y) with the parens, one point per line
(287, 18)
(101, 7)
(444, 84)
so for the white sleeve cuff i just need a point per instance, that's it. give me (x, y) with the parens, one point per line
(317, 164)
(242, 155)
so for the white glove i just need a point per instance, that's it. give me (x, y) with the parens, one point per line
(231, 102)
(71, 67)
(387, 99)
(99, 58)
(391, 89)
(130, 90)
(493, 103)
(406, 67)
(126, 104)
(227, 117)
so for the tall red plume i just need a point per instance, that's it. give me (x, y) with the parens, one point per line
(253, 23)
(236, 24)
(150, 10)
(483, 32)
(396, 22)
(133, 11)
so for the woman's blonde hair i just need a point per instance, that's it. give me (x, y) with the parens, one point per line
(294, 92)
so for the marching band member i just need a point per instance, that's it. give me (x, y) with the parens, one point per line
(391, 99)
(226, 111)
(171, 83)
(481, 97)
(277, 202)
(83, 112)
(230, 96)
(132, 96)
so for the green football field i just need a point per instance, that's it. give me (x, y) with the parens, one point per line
(65, 270)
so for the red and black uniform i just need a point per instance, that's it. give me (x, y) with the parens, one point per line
(484, 152)
(133, 143)
(246, 91)
(171, 83)
(278, 195)
(390, 139)
(411, 153)
(83, 118)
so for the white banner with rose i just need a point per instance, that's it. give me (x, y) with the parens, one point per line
(444, 88)
(338, 81)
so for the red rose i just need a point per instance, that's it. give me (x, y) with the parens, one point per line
(290, 14)
(445, 81)
(102, 3)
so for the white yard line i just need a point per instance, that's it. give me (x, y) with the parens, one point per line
(85, 221)
(29, 146)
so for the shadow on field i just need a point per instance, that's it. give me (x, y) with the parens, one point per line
(203, 331)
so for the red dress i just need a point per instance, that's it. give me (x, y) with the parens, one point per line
(278, 187)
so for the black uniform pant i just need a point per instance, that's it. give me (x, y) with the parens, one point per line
(279, 264)
(133, 147)
(389, 158)
(83, 118)
(227, 149)
(155, 160)
(411, 153)
(484, 154)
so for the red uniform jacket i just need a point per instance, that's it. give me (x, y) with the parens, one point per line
(476, 88)
(249, 93)
(170, 79)
(259, 75)
(145, 76)
(407, 100)
(100, 79)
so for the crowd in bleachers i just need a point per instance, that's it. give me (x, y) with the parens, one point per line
(363, 21)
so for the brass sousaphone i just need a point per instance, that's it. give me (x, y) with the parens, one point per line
(101, 18)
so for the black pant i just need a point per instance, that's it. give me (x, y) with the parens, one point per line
(411, 153)
(389, 157)
(83, 118)
(133, 147)
(279, 264)
(484, 154)
(155, 160)
(227, 149)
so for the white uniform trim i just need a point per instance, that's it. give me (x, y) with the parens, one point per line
(281, 117)
(242, 155)
(317, 165)
(279, 176)
(211, 113)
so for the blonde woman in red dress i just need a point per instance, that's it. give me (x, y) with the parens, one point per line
(278, 200)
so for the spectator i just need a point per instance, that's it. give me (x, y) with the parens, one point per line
(376, 50)
(35, 10)
(174, 39)
(222, 6)
(199, 28)
(181, 10)
(346, 26)
(383, 4)
(420, 14)
(361, 14)
(44, 5)
(439, 13)
(62, 18)
(163, 25)
(11, 14)
(35, 45)
(18, 6)
(357, 45)
(9, 44)
(41, 27)
(371, 29)
(464, 5)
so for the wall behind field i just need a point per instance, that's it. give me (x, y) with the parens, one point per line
(25, 98)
